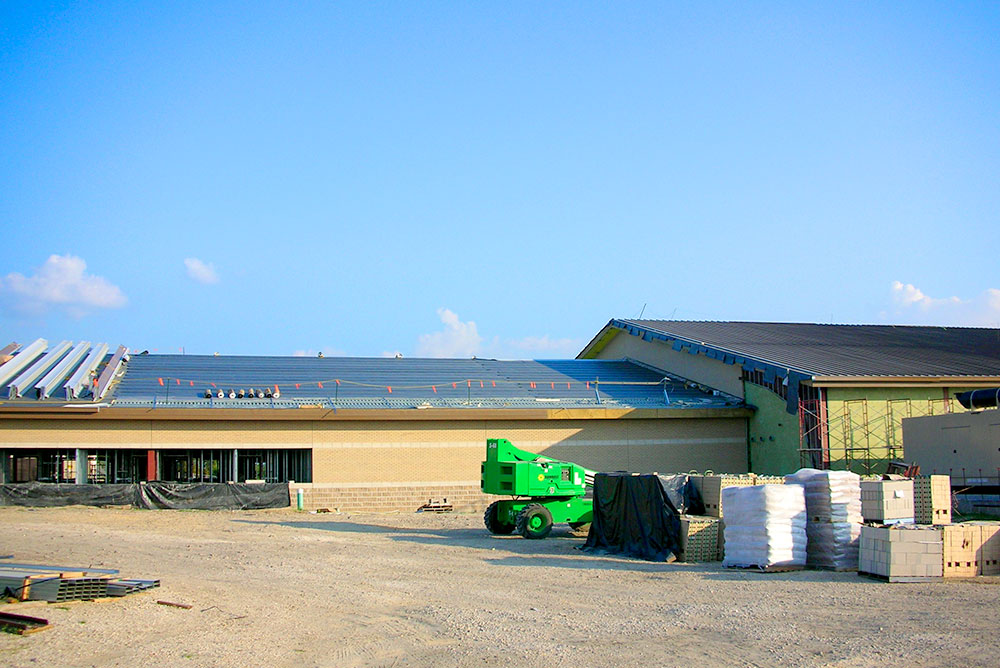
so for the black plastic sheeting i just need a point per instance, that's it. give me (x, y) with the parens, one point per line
(149, 495)
(212, 496)
(639, 515)
(43, 494)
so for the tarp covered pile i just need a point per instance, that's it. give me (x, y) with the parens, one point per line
(765, 526)
(833, 504)
(639, 515)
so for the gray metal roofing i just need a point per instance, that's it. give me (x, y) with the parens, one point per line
(351, 382)
(845, 350)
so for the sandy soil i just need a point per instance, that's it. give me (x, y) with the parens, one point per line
(280, 588)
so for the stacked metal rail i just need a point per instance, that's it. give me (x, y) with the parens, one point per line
(39, 582)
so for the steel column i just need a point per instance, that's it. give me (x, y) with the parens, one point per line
(151, 465)
(81, 467)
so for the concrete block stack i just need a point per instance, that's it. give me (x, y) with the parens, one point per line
(989, 562)
(887, 501)
(971, 548)
(932, 499)
(833, 504)
(710, 488)
(699, 538)
(902, 552)
(963, 546)
(765, 526)
(769, 480)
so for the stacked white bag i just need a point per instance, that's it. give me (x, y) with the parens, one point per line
(765, 526)
(833, 503)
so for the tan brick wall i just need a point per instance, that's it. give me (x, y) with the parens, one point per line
(397, 455)
(388, 498)
(72, 433)
(453, 451)
(220, 434)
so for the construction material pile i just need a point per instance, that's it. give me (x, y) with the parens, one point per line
(887, 501)
(37, 582)
(833, 505)
(765, 526)
(932, 499)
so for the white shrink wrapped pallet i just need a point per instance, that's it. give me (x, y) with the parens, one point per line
(833, 504)
(765, 526)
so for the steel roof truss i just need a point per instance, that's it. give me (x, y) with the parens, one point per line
(36, 370)
(59, 372)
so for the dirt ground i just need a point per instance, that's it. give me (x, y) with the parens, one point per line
(280, 588)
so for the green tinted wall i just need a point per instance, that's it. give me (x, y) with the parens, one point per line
(774, 433)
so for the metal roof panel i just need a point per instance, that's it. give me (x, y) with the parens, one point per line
(845, 350)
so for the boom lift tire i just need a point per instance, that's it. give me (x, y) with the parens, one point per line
(491, 518)
(534, 521)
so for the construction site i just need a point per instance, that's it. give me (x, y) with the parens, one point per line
(678, 489)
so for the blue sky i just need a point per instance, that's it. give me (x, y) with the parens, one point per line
(456, 179)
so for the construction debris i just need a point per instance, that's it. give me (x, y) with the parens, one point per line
(435, 506)
(22, 624)
(186, 606)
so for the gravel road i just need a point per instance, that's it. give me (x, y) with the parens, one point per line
(280, 588)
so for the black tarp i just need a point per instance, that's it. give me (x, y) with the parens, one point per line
(212, 496)
(149, 495)
(639, 515)
(46, 494)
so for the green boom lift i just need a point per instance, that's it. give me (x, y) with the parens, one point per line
(544, 491)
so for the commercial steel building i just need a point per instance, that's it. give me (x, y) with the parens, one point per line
(828, 396)
(353, 433)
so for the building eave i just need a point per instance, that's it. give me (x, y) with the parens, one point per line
(904, 381)
(333, 415)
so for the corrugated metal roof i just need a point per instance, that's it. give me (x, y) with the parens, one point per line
(844, 350)
(352, 382)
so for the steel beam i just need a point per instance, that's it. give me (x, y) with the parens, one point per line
(74, 386)
(31, 375)
(20, 361)
(59, 372)
(109, 372)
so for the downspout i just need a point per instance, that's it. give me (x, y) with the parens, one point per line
(747, 423)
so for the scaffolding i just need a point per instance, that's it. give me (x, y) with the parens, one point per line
(860, 435)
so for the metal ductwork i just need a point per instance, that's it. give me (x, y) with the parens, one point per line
(980, 398)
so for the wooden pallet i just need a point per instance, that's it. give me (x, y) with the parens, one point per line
(778, 568)
(22, 624)
(901, 578)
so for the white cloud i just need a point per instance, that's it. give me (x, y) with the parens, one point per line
(911, 295)
(913, 305)
(462, 339)
(63, 282)
(534, 347)
(200, 271)
(457, 339)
